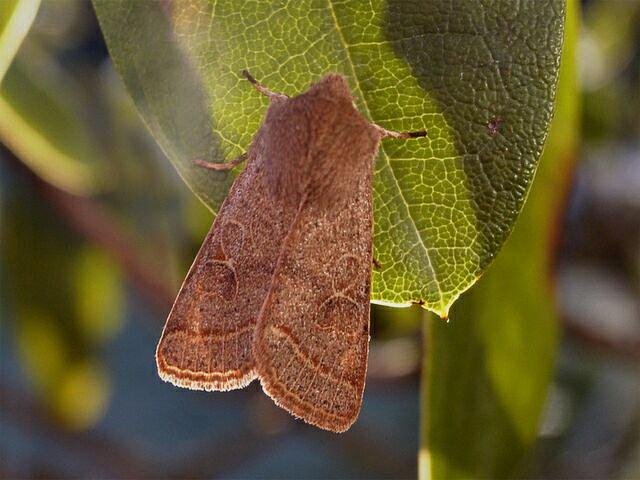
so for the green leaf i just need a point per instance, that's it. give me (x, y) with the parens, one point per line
(16, 17)
(43, 121)
(462, 70)
(487, 370)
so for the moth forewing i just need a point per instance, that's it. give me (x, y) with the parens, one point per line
(207, 340)
(312, 337)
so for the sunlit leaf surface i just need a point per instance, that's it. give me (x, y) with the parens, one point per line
(479, 76)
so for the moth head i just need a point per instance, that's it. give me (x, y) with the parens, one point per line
(333, 85)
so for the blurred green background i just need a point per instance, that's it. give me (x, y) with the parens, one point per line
(97, 231)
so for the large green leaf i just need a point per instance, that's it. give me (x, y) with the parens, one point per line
(16, 17)
(479, 76)
(487, 370)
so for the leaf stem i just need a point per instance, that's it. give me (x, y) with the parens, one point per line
(424, 457)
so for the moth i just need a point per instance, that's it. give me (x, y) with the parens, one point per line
(280, 288)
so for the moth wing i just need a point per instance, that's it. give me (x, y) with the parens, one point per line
(206, 342)
(312, 338)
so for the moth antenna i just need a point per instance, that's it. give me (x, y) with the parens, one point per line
(221, 166)
(261, 88)
(392, 134)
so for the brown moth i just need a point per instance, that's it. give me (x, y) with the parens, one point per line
(280, 287)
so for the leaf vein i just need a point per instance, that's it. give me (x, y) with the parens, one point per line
(384, 154)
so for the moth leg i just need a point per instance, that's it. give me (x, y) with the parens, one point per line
(261, 88)
(222, 166)
(391, 134)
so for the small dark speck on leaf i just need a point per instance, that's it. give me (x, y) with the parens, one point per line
(494, 125)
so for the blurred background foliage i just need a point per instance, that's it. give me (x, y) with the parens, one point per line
(97, 231)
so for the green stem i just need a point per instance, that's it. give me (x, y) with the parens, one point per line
(424, 458)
